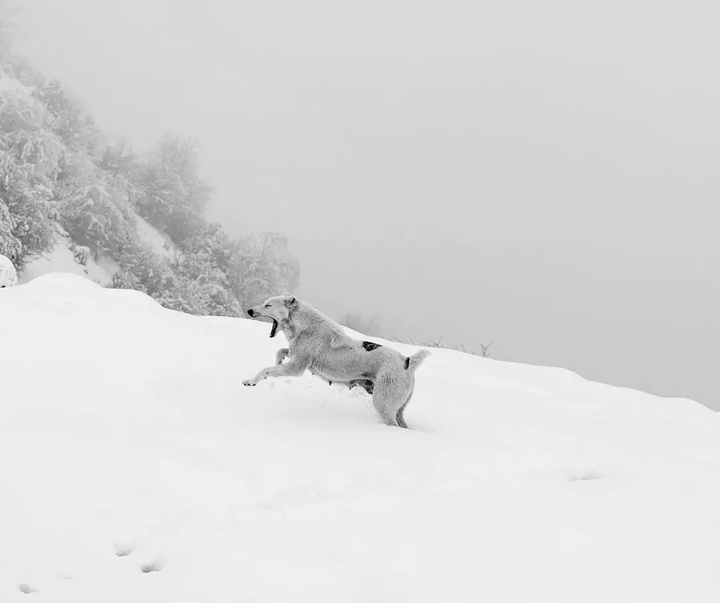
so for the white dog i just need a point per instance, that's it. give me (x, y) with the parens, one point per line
(320, 345)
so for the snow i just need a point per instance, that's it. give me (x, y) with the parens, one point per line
(136, 467)
(100, 270)
(160, 243)
(61, 259)
(10, 84)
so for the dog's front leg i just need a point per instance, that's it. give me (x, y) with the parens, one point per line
(281, 355)
(294, 368)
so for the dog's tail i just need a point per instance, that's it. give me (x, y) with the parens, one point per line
(416, 360)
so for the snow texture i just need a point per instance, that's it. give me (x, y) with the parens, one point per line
(136, 467)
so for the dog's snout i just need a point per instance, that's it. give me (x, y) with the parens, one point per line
(251, 312)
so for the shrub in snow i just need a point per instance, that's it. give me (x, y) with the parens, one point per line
(81, 253)
(8, 275)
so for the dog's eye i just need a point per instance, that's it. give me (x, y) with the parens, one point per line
(267, 305)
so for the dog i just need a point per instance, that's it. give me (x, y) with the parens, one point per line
(320, 345)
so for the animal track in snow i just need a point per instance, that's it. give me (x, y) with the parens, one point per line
(26, 588)
(123, 549)
(586, 476)
(153, 566)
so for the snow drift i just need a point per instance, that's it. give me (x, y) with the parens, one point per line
(136, 467)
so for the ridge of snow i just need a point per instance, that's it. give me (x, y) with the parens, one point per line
(136, 467)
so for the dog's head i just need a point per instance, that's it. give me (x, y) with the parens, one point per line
(276, 308)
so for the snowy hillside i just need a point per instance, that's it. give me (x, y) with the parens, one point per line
(136, 467)
(61, 259)
(160, 243)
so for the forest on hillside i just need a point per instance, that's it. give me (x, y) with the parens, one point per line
(62, 178)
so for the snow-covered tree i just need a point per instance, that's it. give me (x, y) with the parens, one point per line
(68, 119)
(262, 266)
(94, 208)
(29, 164)
(174, 196)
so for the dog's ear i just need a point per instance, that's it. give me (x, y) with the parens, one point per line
(290, 300)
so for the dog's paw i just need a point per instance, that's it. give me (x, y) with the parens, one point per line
(249, 382)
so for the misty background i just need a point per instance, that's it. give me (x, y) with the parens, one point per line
(543, 176)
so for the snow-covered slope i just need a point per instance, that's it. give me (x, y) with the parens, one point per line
(101, 271)
(61, 259)
(136, 467)
(160, 243)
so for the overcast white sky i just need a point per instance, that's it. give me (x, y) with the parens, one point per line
(543, 175)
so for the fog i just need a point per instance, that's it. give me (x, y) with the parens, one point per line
(543, 176)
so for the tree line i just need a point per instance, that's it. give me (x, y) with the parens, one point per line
(61, 176)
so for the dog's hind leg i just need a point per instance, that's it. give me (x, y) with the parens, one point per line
(399, 417)
(400, 420)
(385, 399)
(388, 418)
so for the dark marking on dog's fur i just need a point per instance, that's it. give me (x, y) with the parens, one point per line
(407, 363)
(370, 346)
(366, 384)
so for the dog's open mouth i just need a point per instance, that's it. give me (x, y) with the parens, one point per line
(274, 328)
(255, 315)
